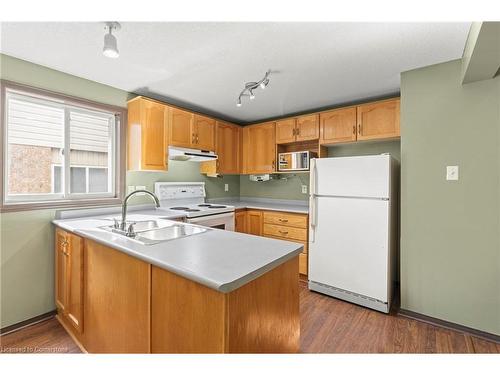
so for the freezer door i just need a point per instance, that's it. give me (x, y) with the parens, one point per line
(349, 245)
(359, 176)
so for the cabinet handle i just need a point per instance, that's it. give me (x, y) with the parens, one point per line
(283, 220)
(283, 232)
(359, 129)
(298, 131)
(274, 164)
(193, 138)
(197, 139)
(65, 252)
(354, 129)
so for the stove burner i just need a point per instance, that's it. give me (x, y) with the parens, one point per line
(179, 208)
(204, 205)
(217, 207)
(191, 210)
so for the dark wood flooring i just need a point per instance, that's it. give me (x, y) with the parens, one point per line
(328, 325)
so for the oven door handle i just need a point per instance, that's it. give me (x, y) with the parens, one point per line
(208, 217)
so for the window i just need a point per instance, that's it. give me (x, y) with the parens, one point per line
(57, 151)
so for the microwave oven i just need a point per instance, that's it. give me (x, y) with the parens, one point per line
(294, 161)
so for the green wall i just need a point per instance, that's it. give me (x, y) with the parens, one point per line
(450, 230)
(367, 148)
(289, 186)
(26, 238)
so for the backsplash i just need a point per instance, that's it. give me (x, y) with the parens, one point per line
(289, 186)
(184, 172)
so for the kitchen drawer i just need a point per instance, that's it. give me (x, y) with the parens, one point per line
(303, 264)
(290, 220)
(304, 250)
(285, 232)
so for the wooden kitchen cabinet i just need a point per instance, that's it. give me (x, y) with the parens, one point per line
(307, 128)
(147, 135)
(259, 148)
(286, 131)
(378, 120)
(240, 221)
(228, 150)
(191, 131)
(181, 128)
(204, 133)
(338, 126)
(69, 279)
(303, 128)
(254, 222)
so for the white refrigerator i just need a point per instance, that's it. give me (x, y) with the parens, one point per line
(353, 228)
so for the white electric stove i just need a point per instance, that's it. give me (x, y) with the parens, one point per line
(189, 198)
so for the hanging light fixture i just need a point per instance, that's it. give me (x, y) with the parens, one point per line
(110, 48)
(250, 86)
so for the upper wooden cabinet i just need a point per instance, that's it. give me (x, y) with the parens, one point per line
(286, 131)
(378, 120)
(338, 126)
(191, 131)
(259, 148)
(307, 128)
(147, 135)
(303, 128)
(203, 133)
(69, 278)
(228, 150)
(181, 128)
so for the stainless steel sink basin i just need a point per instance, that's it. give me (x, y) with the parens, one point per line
(150, 232)
(168, 233)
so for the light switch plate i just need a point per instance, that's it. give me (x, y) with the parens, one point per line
(226, 187)
(130, 189)
(304, 189)
(140, 188)
(452, 173)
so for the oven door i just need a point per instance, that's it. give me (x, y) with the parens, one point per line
(220, 221)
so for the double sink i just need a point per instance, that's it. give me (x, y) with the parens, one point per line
(150, 232)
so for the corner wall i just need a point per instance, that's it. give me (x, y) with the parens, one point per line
(450, 230)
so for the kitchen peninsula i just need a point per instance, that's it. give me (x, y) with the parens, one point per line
(212, 292)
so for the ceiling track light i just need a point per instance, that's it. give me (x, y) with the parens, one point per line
(110, 48)
(251, 86)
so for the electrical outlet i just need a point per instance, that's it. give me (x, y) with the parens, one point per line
(140, 188)
(226, 187)
(452, 173)
(130, 189)
(304, 189)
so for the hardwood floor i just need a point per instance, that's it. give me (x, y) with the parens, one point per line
(328, 325)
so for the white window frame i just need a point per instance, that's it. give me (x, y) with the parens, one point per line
(116, 154)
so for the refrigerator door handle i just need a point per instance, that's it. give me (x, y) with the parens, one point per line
(312, 202)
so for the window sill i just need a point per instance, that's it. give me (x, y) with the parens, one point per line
(31, 206)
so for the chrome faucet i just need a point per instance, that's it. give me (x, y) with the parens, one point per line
(124, 209)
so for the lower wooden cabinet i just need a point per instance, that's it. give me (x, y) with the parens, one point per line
(276, 224)
(69, 279)
(254, 222)
(240, 221)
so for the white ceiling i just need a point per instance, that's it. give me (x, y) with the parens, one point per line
(204, 66)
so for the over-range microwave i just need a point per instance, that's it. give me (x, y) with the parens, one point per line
(295, 161)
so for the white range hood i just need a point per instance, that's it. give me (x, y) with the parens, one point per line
(189, 154)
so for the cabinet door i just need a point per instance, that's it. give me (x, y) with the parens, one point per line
(285, 131)
(204, 133)
(259, 148)
(254, 222)
(227, 139)
(338, 126)
(61, 254)
(308, 128)
(154, 135)
(378, 120)
(180, 128)
(74, 310)
(240, 218)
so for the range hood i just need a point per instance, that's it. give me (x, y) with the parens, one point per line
(189, 154)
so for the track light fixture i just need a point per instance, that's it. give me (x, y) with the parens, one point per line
(110, 48)
(250, 86)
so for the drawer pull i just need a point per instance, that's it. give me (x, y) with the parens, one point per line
(283, 220)
(283, 232)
